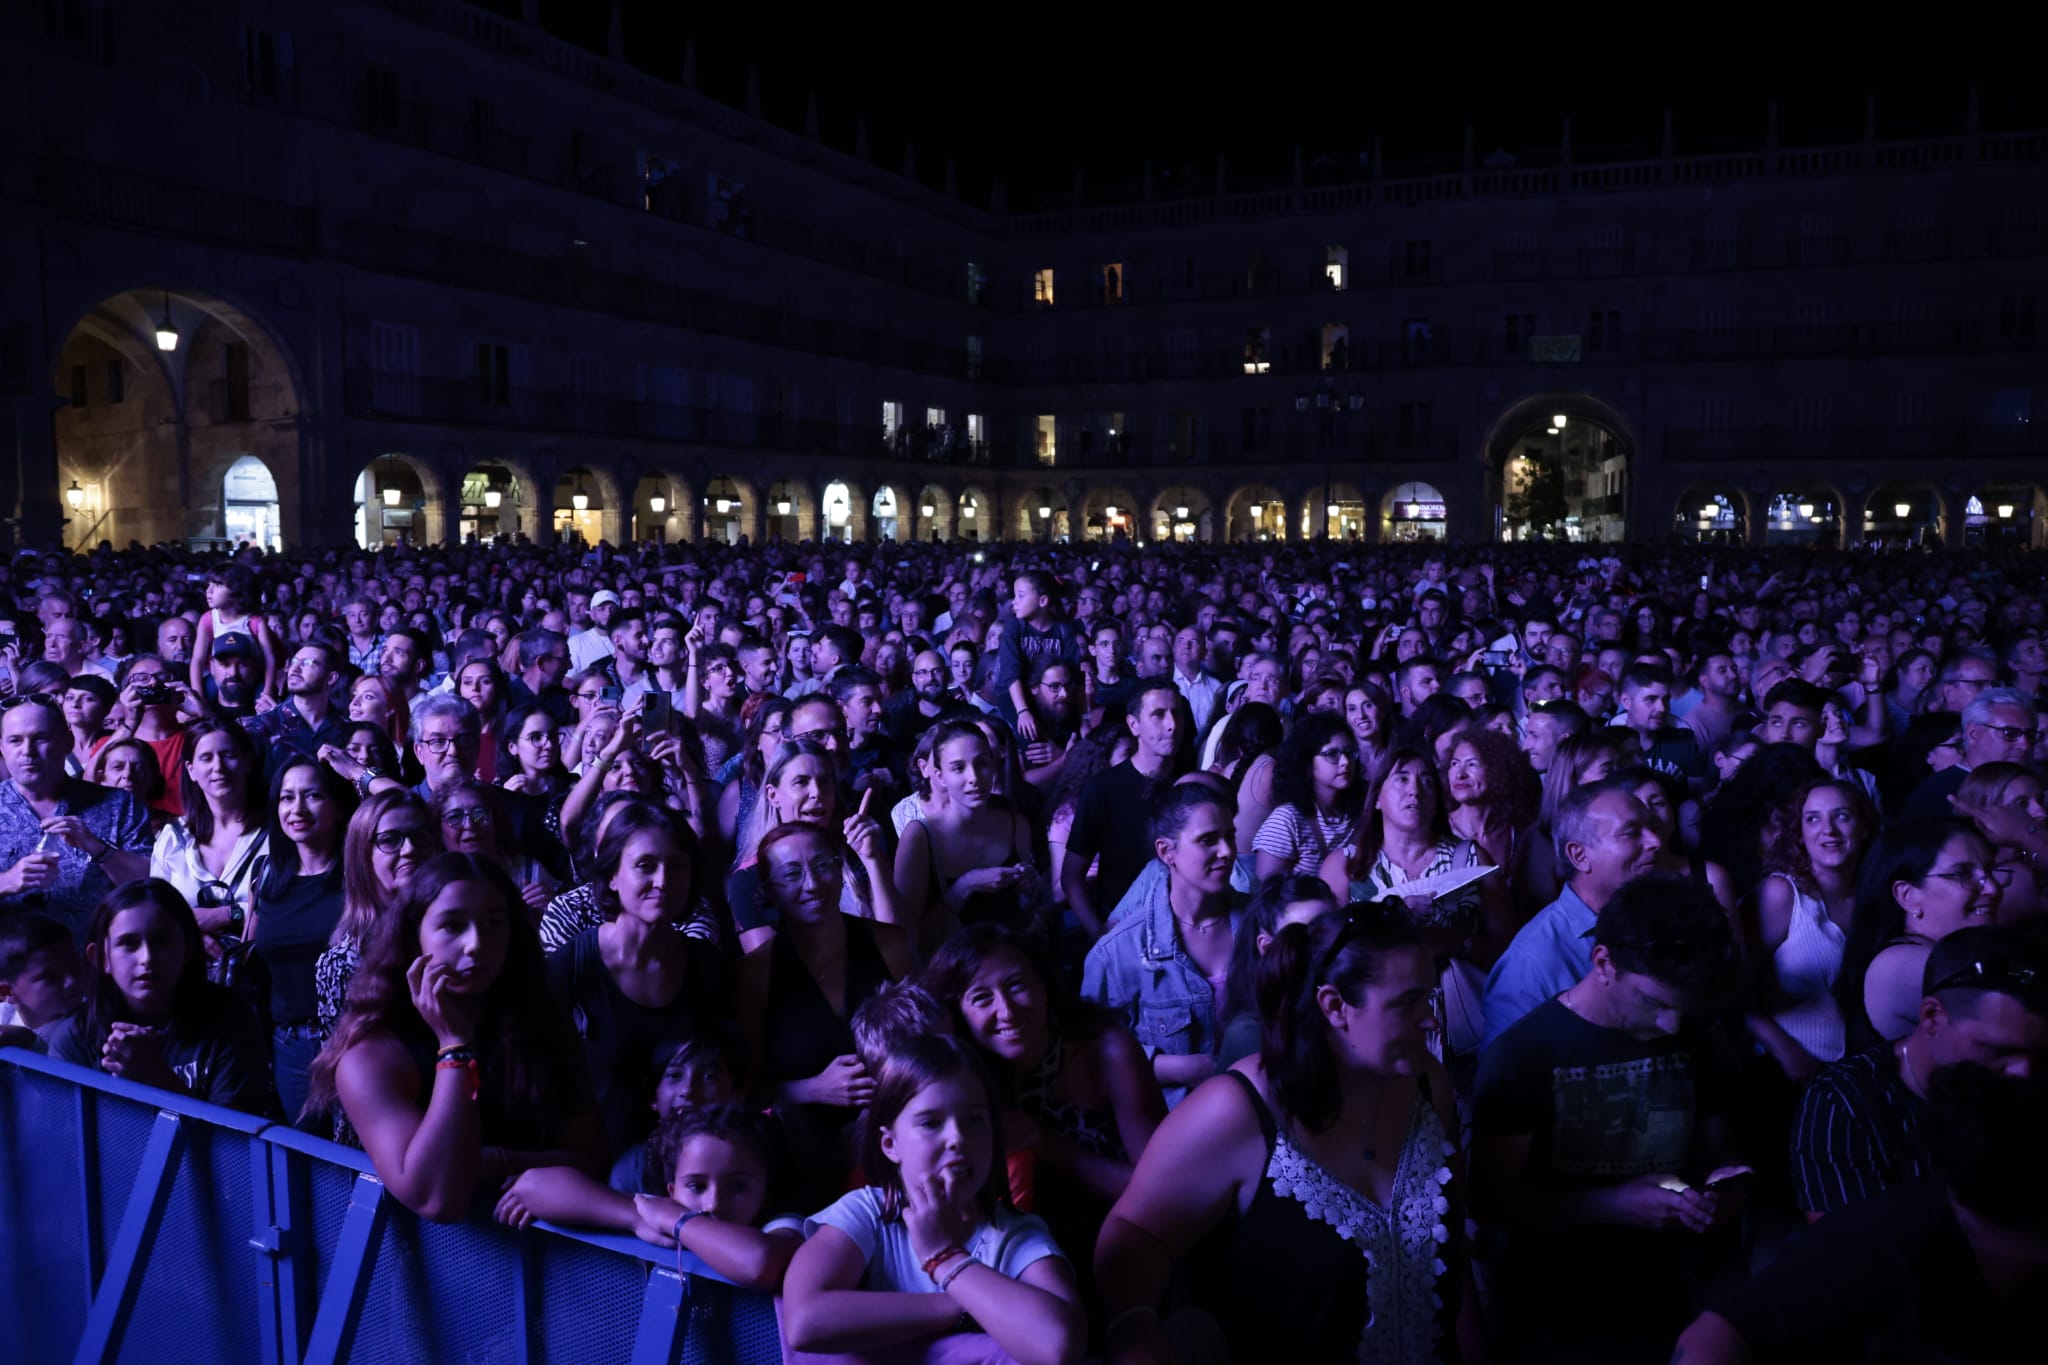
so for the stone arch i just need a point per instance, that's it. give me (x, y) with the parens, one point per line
(1414, 510)
(512, 477)
(149, 431)
(1810, 512)
(677, 520)
(976, 514)
(2005, 513)
(1926, 520)
(1333, 510)
(1254, 511)
(1109, 511)
(1601, 511)
(1713, 513)
(728, 508)
(889, 512)
(938, 523)
(1040, 513)
(1181, 512)
(843, 503)
(401, 497)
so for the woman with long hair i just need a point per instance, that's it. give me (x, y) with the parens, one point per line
(530, 755)
(1371, 713)
(797, 992)
(969, 861)
(763, 735)
(1245, 755)
(150, 1015)
(454, 1065)
(801, 786)
(637, 977)
(389, 837)
(481, 683)
(1318, 792)
(213, 853)
(1804, 907)
(374, 699)
(298, 902)
(1922, 881)
(1325, 1166)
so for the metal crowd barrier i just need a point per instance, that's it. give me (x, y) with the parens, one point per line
(137, 1226)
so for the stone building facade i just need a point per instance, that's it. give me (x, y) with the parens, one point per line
(315, 274)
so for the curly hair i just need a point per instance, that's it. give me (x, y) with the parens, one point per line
(1784, 838)
(1294, 765)
(1511, 783)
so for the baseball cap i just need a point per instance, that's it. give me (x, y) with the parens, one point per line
(236, 646)
(603, 597)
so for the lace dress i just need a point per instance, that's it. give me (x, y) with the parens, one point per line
(1315, 1271)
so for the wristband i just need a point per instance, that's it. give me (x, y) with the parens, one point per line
(940, 1257)
(458, 1052)
(475, 1072)
(966, 1264)
(676, 1232)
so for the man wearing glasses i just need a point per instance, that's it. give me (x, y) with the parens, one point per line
(306, 721)
(64, 842)
(447, 737)
(1859, 1130)
(1998, 727)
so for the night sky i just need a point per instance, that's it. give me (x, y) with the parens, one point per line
(1030, 92)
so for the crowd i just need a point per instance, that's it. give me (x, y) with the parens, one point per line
(1048, 953)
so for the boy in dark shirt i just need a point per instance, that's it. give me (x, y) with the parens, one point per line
(1598, 1132)
(1039, 632)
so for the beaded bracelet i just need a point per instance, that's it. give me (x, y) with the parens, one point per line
(939, 1258)
(965, 1265)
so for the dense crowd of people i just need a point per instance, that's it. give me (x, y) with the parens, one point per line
(1047, 953)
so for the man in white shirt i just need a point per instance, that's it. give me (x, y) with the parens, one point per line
(592, 645)
(1201, 687)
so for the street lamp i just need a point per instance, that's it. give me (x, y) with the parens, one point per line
(657, 504)
(925, 509)
(1557, 421)
(391, 497)
(2005, 509)
(494, 498)
(1044, 512)
(75, 496)
(580, 500)
(166, 330)
(1806, 510)
(1902, 509)
(1180, 513)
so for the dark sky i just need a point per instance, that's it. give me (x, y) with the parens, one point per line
(1029, 93)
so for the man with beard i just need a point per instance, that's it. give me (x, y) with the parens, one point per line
(64, 842)
(929, 697)
(233, 677)
(307, 720)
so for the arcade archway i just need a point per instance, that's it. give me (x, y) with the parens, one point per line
(1804, 514)
(1558, 469)
(1712, 514)
(1412, 512)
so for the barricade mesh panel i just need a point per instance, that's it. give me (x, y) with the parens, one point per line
(730, 1326)
(589, 1306)
(198, 1297)
(43, 1286)
(326, 1209)
(123, 1133)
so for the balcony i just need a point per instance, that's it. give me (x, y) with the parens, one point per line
(1955, 440)
(174, 208)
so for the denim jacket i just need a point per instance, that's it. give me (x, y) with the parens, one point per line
(1139, 969)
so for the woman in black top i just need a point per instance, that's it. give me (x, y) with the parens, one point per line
(637, 979)
(298, 903)
(969, 860)
(797, 993)
(454, 1065)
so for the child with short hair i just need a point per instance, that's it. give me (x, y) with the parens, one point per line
(931, 1246)
(720, 1162)
(42, 977)
(693, 1072)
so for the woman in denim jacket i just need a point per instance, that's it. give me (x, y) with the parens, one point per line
(1164, 963)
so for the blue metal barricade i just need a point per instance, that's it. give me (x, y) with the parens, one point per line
(138, 1226)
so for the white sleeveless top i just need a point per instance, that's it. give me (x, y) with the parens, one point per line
(1807, 963)
(222, 627)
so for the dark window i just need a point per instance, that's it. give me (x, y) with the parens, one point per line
(1188, 272)
(1414, 425)
(493, 374)
(235, 381)
(1418, 341)
(266, 64)
(1258, 428)
(78, 393)
(1516, 332)
(117, 382)
(380, 99)
(2016, 316)
(1415, 258)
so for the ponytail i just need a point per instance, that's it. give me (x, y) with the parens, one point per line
(1343, 950)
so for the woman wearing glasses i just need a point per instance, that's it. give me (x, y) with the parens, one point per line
(801, 785)
(1924, 880)
(473, 821)
(213, 853)
(388, 838)
(1324, 1165)
(298, 903)
(796, 995)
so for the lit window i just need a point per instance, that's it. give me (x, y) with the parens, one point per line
(1041, 285)
(1112, 283)
(1337, 267)
(1047, 441)
(1258, 350)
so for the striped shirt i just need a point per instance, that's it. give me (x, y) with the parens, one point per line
(1857, 1132)
(1287, 834)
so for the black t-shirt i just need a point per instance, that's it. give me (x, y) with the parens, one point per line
(1891, 1279)
(1675, 751)
(292, 930)
(1857, 1132)
(1601, 1108)
(619, 1034)
(1113, 819)
(215, 1049)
